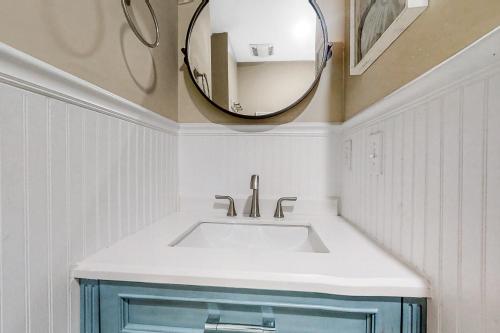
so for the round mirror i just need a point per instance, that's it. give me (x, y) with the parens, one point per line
(256, 58)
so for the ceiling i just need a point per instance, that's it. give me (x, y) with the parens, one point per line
(290, 25)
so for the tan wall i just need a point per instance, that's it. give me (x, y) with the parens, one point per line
(91, 39)
(269, 86)
(445, 28)
(324, 105)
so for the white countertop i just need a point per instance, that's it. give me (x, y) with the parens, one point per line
(355, 266)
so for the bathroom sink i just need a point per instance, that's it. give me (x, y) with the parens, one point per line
(253, 236)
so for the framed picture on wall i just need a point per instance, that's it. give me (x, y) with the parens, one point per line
(375, 24)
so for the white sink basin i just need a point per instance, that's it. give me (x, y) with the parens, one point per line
(254, 236)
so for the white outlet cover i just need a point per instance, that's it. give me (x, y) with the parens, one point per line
(375, 153)
(348, 154)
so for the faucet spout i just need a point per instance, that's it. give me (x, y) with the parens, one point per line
(254, 186)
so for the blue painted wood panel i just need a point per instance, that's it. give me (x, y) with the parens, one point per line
(414, 315)
(89, 306)
(146, 308)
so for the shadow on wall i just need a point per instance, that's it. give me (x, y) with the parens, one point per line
(215, 115)
(79, 43)
(85, 43)
(135, 57)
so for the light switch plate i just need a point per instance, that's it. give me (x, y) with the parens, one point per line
(375, 153)
(348, 154)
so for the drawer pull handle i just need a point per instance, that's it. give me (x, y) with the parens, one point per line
(212, 325)
(233, 328)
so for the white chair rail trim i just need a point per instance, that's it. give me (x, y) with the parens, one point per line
(26, 72)
(290, 129)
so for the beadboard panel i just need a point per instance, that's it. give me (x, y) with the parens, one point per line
(435, 205)
(291, 161)
(72, 181)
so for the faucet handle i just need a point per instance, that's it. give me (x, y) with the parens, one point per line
(278, 213)
(231, 211)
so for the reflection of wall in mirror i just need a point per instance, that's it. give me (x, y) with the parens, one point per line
(224, 72)
(232, 79)
(200, 53)
(220, 86)
(266, 87)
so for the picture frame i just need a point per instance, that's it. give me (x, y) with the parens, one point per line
(375, 25)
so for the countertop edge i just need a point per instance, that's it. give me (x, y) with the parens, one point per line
(323, 287)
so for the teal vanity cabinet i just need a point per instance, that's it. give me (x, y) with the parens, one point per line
(119, 307)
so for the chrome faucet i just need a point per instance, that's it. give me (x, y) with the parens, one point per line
(231, 211)
(278, 213)
(254, 186)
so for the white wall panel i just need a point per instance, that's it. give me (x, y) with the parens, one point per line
(91, 205)
(14, 298)
(36, 138)
(432, 218)
(72, 181)
(451, 206)
(58, 217)
(436, 203)
(490, 256)
(103, 181)
(472, 205)
(215, 160)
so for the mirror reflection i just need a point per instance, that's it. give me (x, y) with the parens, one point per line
(256, 57)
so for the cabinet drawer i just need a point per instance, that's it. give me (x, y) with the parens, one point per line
(145, 308)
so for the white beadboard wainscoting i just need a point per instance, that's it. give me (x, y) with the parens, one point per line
(436, 203)
(300, 159)
(80, 169)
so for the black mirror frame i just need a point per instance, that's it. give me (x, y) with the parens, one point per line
(327, 54)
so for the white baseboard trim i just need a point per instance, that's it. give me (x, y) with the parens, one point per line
(26, 72)
(480, 57)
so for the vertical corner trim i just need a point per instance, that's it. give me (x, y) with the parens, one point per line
(414, 315)
(89, 306)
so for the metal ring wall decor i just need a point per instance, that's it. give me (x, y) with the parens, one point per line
(154, 44)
